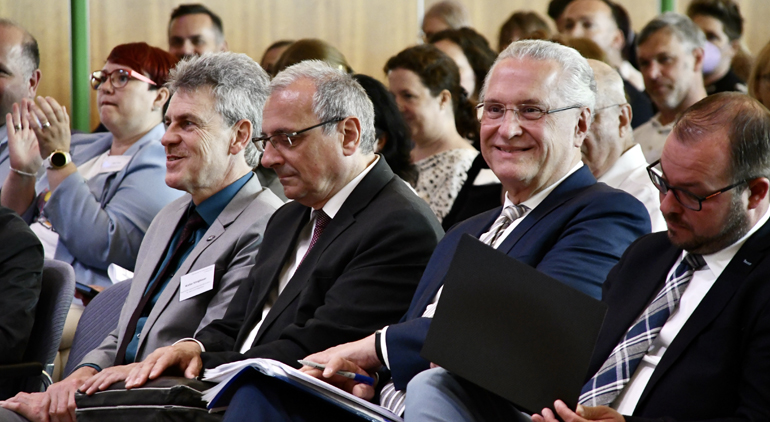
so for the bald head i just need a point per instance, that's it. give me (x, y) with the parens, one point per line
(610, 134)
(19, 62)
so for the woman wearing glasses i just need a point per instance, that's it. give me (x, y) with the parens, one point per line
(90, 198)
(426, 85)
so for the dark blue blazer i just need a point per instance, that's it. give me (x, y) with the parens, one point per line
(576, 235)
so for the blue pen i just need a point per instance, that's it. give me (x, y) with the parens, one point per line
(352, 375)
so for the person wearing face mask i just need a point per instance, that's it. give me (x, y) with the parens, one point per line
(722, 23)
(99, 192)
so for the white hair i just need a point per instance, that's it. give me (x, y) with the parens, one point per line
(576, 85)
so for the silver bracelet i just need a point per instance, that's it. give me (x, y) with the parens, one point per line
(23, 173)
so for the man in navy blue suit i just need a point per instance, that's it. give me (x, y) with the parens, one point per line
(708, 356)
(535, 112)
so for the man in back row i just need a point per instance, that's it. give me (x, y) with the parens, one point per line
(687, 333)
(193, 29)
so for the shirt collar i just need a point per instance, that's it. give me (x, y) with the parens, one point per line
(625, 165)
(539, 197)
(3, 134)
(717, 261)
(210, 208)
(334, 204)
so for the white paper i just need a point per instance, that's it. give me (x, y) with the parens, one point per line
(116, 273)
(114, 163)
(196, 282)
(485, 177)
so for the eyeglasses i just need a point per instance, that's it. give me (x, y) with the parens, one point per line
(489, 112)
(118, 78)
(282, 140)
(609, 106)
(688, 199)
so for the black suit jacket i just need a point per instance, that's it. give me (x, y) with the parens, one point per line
(21, 272)
(360, 275)
(718, 366)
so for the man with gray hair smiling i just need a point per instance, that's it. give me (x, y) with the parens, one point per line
(342, 259)
(535, 112)
(198, 248)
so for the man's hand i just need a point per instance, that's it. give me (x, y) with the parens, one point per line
(358, 356)
(185, 356)
(57, 404)
(103, 380)
(582, 414)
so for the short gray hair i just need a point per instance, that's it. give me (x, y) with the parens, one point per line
(453, 13)
(577, 86)
(239, 85)
(678, 24)
(337, 95)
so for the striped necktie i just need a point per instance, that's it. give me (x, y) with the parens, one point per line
(617, 370)
(393, 399)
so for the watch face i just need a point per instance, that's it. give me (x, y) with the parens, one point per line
(58, 159)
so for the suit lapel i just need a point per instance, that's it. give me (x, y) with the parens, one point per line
(361, 196)
(734, 275)
(566, 190)
(297, 216)
(233, 209)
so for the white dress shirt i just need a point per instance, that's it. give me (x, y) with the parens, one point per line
(629, 174)
(699, 286)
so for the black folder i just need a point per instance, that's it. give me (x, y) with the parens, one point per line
(513, 330)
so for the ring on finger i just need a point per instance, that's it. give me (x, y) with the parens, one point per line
(17, 127)
(46, 125)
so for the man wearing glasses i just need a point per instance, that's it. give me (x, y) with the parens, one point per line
(687, 334)
(535, 112)
(342, 259)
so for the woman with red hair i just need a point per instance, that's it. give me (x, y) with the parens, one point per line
(91, 197)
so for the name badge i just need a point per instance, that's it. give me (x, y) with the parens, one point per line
(485, 177)
(196, 282)
(114, 163)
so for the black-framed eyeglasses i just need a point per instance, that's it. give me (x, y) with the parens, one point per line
(118, 78)
(282, 140)
(688, 200)
(491, 112)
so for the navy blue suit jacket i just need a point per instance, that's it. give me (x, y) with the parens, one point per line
(576, 235)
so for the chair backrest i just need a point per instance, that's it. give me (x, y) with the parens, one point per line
(99, 318)
(56, 295)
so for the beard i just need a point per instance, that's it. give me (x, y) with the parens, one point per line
(735, 227)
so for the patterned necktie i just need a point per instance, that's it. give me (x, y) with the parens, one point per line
(508, 216)
(193, 223)
(393, 399)
(321, 220)
(617, 370)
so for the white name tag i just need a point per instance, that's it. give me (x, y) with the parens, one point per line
(114, 163)
(485, 177)
(196, 282)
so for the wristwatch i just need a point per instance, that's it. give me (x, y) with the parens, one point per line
(58, 159)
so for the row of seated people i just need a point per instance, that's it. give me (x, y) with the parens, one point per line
(52, 115)
(356, 250)
(441, 154)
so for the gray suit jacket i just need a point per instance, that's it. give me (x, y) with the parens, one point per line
(230, 244)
